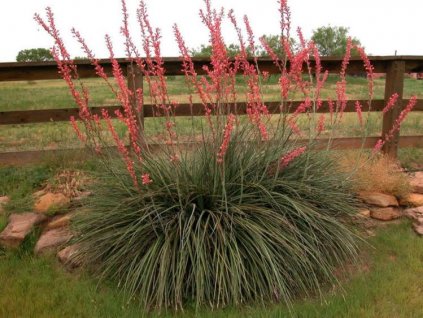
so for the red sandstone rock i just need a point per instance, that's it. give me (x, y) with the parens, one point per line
(418, 228)
(59, 221)
(385, 214)
(413, 199)
(414, 213)
(52, 239)
(3, 201)
(416, 182)
(364, 213)
(378, 199)
(65, 256)
(20, 225)
(49, 201)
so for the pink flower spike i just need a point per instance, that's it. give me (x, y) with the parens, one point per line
(321, 123)
(359, 112)
(402, 116)
(77, 130)
(378, 146)
(226, 138)
(391, 103)
(146, 179)
(287, 159)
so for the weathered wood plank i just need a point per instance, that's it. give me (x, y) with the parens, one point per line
(135, 82)
(49, 115)
(173, 66)
(394, 84)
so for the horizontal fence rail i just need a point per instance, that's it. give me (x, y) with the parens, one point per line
(33, 156)
(394, 66)
(31, 71)
(196, 109)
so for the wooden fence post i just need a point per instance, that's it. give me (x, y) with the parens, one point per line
(135, 81)
(394, 84)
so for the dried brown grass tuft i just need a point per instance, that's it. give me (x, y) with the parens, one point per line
(380, 173)
(71, 183)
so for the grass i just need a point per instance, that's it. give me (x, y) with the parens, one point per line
(50, 94)
(387, 284)
(411, 158)
(3, 222)
(54, 94)
(19, 183)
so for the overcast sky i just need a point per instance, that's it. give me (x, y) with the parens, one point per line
(383, 26)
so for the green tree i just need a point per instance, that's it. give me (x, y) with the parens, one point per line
(81, 58)
(332, 40)
(233, 49)
(275, 43)
(206, 50)
(34, 55)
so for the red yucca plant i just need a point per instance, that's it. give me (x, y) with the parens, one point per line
(250, 213)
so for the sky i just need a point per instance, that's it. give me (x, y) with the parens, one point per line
(383, 26)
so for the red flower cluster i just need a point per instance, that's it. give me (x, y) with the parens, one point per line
(226, 138)
(358, 110)
(397, 124)
(146, 179)
(290, 156)
(391, 103)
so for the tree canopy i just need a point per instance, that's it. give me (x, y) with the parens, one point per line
(233, 49)
(206, 50)
(332, 40)
(329, 40)
(34, 55)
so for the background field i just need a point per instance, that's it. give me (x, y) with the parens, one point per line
(51, 94)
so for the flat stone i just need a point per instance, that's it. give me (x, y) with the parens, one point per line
(370, 233)
(418, 228)
(3, 201)
(65, 256)
(365, 213)
(378, 199)
(413, 199)
(414, 213)
(416, 182)
(385, 214)
(49, 201)
(52, 239)
(59, 221)
(20, 225)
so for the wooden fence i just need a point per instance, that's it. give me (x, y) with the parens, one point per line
(394, 66)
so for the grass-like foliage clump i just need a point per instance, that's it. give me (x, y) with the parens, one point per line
(267, 234)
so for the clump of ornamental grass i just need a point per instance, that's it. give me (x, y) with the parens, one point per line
(255, 210)
(240, 232)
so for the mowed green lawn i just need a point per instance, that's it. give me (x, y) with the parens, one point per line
(387, 283)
